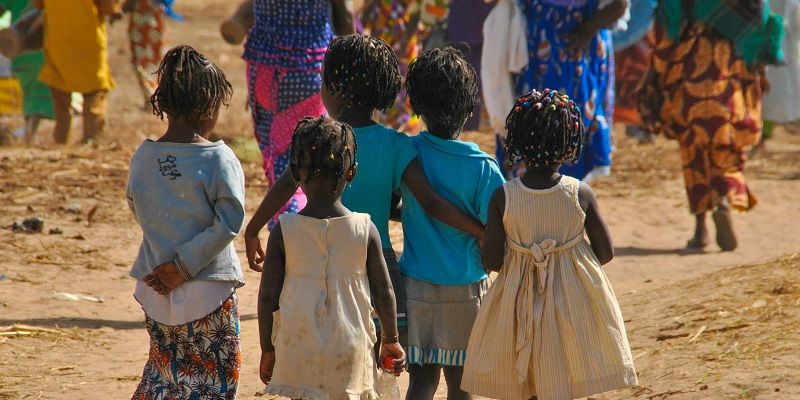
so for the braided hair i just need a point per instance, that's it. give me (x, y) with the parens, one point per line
(364, 69)
(544, 129)
(322, 146)
(443, 88)
(189, 85)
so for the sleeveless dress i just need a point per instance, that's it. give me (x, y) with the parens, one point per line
(325, 335)
(550, 325)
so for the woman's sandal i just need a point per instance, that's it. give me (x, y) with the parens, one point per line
(726, 238)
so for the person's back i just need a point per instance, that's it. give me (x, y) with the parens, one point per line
(534, 216)
(325, 312)
(466, 177)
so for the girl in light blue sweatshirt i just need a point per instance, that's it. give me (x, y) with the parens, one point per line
(187, 194)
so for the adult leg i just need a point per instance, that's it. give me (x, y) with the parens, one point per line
(452, 375)
(700, 238)
(61, 108)
(423, 381)
(94, 115)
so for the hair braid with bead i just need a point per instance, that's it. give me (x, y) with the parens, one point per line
(443, 88)
(544, 129)
(189, 85)
(364, 69)
(322, 146)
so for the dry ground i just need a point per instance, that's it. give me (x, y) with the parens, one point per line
(701, 324)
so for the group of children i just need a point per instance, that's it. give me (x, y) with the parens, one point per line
(549, 325)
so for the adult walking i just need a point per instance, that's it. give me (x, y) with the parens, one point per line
(704, 90)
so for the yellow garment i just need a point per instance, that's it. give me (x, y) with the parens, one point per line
(75, 47)
(10, 96)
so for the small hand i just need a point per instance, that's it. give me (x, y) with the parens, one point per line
(395, 351)
(766, 86)
(129, 5)
(266, 367)
(254, 251)
(164, 278)
(578, 41)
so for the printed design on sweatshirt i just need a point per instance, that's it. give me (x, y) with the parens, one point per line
(168, 167)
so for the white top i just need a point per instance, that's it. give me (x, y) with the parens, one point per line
(780, 104)
(505, 52)
(190, 301)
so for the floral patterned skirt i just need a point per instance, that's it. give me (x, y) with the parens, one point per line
(197, 360)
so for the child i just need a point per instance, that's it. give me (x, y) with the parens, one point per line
(284, 52)
(361, 76)
(322, 264)
(445, 280)
(188, 196)
(76, 60)
(550, 325)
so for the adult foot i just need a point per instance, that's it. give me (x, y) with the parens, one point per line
(726, 238)
(697, 242)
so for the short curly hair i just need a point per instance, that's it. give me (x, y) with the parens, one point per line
(443, 88)
(189, 85)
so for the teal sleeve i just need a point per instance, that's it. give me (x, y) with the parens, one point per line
(491, 180)
(405, 152)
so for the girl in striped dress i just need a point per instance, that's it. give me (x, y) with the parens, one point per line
(550, 325)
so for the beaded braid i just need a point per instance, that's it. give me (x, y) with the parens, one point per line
(544, 129)
(443, 88)
(321, 145)
(364, 69)
(189, 85)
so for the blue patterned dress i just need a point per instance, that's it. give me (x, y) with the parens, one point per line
(587, 79)
(284, 54)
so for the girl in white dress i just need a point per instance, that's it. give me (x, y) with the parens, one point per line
(323, 268)
(550, 325)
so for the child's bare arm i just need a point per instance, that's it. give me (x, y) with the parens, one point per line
(380, 285)
(580, 38)
(436, 206)
(596, 228)
(383, 298)
(276, 197)
(342, 18)
(269, 291)
(494, 237)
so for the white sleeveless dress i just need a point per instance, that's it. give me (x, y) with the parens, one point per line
(550, 325)
(324, 340)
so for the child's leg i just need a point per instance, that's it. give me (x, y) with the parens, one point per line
(31, 126)
(61, 108)
(94, 114)
(452, 375)
(423, 381)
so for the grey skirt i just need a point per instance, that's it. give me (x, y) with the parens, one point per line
(440, 320)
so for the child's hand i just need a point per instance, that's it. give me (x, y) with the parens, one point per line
(255, 252)
(578, 40)
(164, 278)
(266, 366)
(395, 351)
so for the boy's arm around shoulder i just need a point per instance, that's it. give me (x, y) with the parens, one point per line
(278, 195)
(437, 206)
(494, 236)
(227, 197)
(596, 228)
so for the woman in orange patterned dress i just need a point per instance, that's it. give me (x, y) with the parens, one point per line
(704, 90)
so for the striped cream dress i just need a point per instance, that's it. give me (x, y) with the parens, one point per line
(550, 325)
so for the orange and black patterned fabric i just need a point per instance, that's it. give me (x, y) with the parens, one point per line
(631, 66)
(700, 93)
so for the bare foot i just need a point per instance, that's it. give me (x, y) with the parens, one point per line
(697, 242)
(726, 238)
(700, 239)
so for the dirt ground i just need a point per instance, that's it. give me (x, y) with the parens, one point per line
(702, 325)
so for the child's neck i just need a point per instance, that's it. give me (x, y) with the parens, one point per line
(322, 208)
(182, 130)
(541, 178)
(356, 118)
